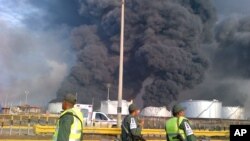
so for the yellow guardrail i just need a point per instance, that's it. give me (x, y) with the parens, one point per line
(39, 129)
(16, 127)
(207, 133)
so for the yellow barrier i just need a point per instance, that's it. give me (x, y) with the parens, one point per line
(38, 129)
(16, 127)
(207, 133)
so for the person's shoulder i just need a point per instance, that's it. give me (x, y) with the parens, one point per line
(185, 119)
(171, 119)
(75, 109)
(67, 115)
(129, 117)
(185, 124)
(66, 119)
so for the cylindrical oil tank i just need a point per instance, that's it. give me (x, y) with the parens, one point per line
(55, 107)
(156, 112)
(231, 112)
(202, 108)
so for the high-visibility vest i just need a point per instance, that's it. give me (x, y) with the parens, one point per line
(76, 127)
(173, 130)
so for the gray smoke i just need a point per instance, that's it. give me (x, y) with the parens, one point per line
(32, 58)
(227, 8)
(232, 57)
(172, 47)
(233, 53)
(162, 42)
(228, 77)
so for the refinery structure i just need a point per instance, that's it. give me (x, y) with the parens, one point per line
(207, 117)
(199, 109)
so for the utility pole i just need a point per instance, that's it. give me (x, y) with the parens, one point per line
(119, 108)
(108, 86)
(6, 100)
(26, 99)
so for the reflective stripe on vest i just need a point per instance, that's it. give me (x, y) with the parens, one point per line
(172, 128)
(74, 139)
(76, 127)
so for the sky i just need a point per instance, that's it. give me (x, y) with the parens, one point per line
(33, 58)
(35, 48)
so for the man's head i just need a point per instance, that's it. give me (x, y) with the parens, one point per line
(69, 101)
(178, 110)
(133, 110)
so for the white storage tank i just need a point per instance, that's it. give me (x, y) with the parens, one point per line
(202, 108)
(231, 112)
(55, 107)
(110, 107)
(156, 112)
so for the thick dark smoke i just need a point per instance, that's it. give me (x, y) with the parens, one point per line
(233, 53)
(162, 42)
(165, 45)
(228, 77)
(231, 60)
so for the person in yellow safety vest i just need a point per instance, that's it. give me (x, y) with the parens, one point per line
(178, 127)
(70, 124)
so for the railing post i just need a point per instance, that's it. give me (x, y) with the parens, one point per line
(20, 124)
(11, 123)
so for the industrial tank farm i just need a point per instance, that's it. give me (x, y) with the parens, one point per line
(55, 108)
(202, 108)
(231, 112)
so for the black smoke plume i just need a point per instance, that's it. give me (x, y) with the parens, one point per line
(233, 53)
(162, 42)
(232, 56)
(228, 77)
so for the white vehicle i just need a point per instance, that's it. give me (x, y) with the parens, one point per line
(91, 118)
(97, 119)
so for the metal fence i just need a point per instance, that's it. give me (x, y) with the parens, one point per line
(32, 125)
(150, 122)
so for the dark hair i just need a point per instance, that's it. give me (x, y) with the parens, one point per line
(131, 111)
(73, 104)
(174, 114)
